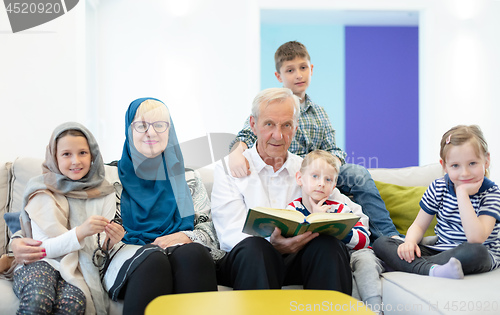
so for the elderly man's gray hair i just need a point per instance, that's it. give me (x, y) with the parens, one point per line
(275, 94)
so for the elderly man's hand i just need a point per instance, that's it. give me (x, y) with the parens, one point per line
(27, 250)
(290, 245)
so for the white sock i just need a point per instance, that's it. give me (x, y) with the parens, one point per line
(452, 270)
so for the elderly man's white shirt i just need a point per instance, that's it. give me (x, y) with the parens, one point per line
(232, 197)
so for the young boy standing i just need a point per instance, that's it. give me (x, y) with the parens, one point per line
(294, 70)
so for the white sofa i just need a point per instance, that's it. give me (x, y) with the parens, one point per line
(408, 293)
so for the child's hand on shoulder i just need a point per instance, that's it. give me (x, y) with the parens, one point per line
(319, 206)
(114, 232)
(407, 251)
(94, 224)
(238, 164)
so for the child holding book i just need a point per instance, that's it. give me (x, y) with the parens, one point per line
(65, 208)
(467, 206)
(317, 177)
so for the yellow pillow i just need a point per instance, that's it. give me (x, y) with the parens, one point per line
(402, 202)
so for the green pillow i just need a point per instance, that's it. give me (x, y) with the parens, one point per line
(402, 202)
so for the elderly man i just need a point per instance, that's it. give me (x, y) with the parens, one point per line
(313, 260)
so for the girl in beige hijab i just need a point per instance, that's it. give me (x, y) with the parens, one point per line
(65, 208)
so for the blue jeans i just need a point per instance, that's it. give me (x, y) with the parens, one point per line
(355, 180)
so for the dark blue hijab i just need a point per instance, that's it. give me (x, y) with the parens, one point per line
(156, 200)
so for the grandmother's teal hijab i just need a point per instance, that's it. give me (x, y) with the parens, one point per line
(156, 199)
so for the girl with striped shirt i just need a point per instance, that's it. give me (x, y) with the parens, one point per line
(467, 206)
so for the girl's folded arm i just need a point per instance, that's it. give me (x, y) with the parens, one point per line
(477, 228)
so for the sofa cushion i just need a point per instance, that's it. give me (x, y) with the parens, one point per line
(20, 173)
(207, 176)
(402, 202)
(23, 169)
(408, 176)
(12, 221)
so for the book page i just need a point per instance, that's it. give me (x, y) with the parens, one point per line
(321, 217)
(292, 215)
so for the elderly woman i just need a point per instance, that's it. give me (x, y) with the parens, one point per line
(164, 252)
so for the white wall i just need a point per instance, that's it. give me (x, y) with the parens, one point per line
(460, 73)
(41, 82)
(202, 59)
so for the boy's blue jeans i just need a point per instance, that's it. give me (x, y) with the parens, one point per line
(355, 180)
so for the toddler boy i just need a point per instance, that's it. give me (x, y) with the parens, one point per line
(317, 177)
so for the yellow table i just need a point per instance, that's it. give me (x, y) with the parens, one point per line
(256, 302)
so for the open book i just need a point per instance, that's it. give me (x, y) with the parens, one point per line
(261, 222)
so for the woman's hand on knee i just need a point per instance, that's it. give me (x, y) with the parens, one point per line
(172, 239)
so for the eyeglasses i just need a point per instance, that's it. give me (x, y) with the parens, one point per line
(143, 126)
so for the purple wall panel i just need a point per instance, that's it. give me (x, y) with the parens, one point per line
(381, 96)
